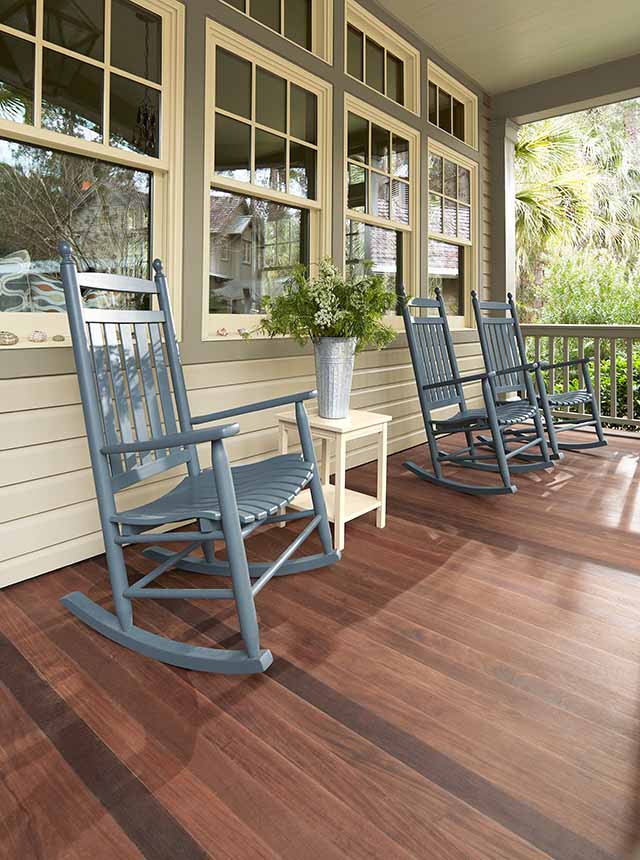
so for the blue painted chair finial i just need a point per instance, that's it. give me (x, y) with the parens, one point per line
(157, 266)
(64, 249)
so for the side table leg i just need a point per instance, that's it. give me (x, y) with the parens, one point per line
(325, 458)
(339, 499)
(381, 514)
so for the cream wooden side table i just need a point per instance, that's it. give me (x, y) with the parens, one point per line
(343, 504)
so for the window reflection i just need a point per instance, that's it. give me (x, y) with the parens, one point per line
(381, 247)
(254, 245)
(446, 271)
(44, 194)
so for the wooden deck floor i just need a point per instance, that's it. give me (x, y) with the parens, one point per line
(464, 684)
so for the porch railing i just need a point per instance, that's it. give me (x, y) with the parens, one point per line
(614, 354)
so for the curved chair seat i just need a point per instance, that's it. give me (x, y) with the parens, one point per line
(507, 414)
(568, 398)
(261, 490)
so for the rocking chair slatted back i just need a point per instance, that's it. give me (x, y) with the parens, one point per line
(500, 342)
(432, 353)
(127, 372)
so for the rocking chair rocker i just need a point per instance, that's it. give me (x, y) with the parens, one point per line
(502, 343)
(440, 385)
(127, 361)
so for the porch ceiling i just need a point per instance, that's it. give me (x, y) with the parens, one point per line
(504, 45)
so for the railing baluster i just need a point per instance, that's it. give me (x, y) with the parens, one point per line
(552, 375)
(581, 370)
(613, 378)
(536, 346)
(596, 371)
(565, 357)
(629, 378)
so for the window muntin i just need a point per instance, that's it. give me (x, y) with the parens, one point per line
(254, 246)
(45, 194)
(81, 94)
(451, 106)
(449, 198)
(291, 18)
(265, 128)
(378, 181)
(374, 65)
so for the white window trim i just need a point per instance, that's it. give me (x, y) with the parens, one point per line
(411, 255)
(377, 31)
(472, 259)
(319, 209)
(166, 214)
(447, 82)
(321, 28)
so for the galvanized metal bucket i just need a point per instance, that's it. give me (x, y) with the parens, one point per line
(334, 373)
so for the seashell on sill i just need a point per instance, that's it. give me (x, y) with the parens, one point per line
(8, 338)
(222, 332)
(58, 338)
(38, 336)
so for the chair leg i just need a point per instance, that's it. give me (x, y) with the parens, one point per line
(317, 495)
(498, 441)
(544, 449)
(238, 566)
(117, 576)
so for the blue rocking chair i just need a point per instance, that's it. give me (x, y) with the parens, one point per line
(503, 344)
(440, 385)
(128, 363)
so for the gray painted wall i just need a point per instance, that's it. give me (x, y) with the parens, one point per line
(42, 362)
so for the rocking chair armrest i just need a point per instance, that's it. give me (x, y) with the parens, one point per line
(460, 380)
(285, 400)
(174, 440)
(558, 364)
(530, 366)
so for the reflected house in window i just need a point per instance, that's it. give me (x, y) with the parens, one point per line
(254, 246)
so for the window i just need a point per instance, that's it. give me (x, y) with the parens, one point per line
(90, 148)
(451, 243)
(378, 57)
(308, 23)
(268, 182)
(381, 191)
(452, 107)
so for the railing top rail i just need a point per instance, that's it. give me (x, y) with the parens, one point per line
(603, 331)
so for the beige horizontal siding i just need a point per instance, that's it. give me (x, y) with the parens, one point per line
(48, 512)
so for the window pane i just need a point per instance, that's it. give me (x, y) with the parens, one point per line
(271, 167)
(446, 271)
(400, 201)
(71, 96)
(136, 40)
(450, 178)
(379, 195)
(464, 221)
(271, 100)
(435, 173)
(450, 217)
(464, 185)
(17, 59)
(375, 66)
(233, 83)
(400, 157)
(20, 14)
(267, 12)
(395, 79)
(358, 138)
(355, 53)
(433, 103)
(302, 170)
(134, 116)
(233, 148)
(304, 114)
(297, 21)
(444, 110)
(435, 213)
(254, 244)
(378, 245)
(104, 209)
(380, 147)
(238, 4)
(357, 188)
(458, 119)
(77, 26)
